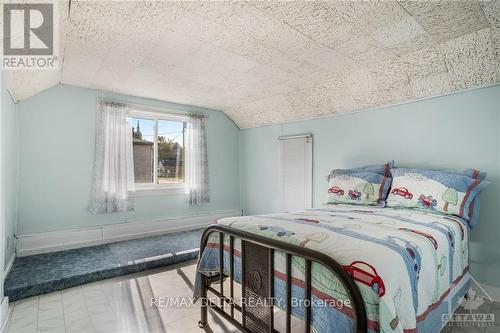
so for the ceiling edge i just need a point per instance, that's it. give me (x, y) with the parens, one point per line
(347, 113)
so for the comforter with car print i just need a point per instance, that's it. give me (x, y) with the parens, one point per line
(404, 263)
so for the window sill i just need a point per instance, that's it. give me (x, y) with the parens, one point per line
(147, 191)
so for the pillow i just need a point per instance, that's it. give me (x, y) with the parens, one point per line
(362, 188)
(381, 169)
(474, 211)
(472, 173)
(473, 217)
(434, 190)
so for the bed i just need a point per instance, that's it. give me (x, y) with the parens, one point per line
(347, 268)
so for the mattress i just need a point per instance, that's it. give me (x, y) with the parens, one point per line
(410, 266)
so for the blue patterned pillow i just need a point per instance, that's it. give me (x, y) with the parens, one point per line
(472, 173)
(440, 191)
(381, 169)
(473, 216)
(362, 188)
(474, 211)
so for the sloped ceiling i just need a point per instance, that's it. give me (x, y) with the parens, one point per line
(272, 62)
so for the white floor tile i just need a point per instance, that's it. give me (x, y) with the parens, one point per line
(76, 316)
(50, 313)
(24, 316)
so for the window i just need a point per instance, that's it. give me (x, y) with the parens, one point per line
(158, 144)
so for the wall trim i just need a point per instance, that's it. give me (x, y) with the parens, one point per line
(493, 292)
(5, 311)
(8, 267)
(14, 100)
(70, 239)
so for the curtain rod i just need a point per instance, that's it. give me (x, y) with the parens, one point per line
(153, 108)
(295, 136)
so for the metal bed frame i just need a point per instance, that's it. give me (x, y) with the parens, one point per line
(257, 280)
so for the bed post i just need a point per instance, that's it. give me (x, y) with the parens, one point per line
(204, 304)
(203, 323)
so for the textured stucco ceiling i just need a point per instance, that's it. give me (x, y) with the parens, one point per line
(272, 62)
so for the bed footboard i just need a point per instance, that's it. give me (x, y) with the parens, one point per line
(257, 282)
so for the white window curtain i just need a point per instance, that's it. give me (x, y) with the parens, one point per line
(113, 179)
(197, 186)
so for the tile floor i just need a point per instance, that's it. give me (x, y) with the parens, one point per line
(488, 308)
(123, 304)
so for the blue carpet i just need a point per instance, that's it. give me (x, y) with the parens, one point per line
(44, 273)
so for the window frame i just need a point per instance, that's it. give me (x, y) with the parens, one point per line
(156, 115)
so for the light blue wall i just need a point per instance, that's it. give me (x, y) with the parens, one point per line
(9, 171)
(56, 144)
(56, 130)
(455, 131)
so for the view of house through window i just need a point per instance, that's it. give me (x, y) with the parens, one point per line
(158, 151)
(143, 134)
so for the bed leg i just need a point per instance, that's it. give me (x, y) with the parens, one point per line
(204, 302)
